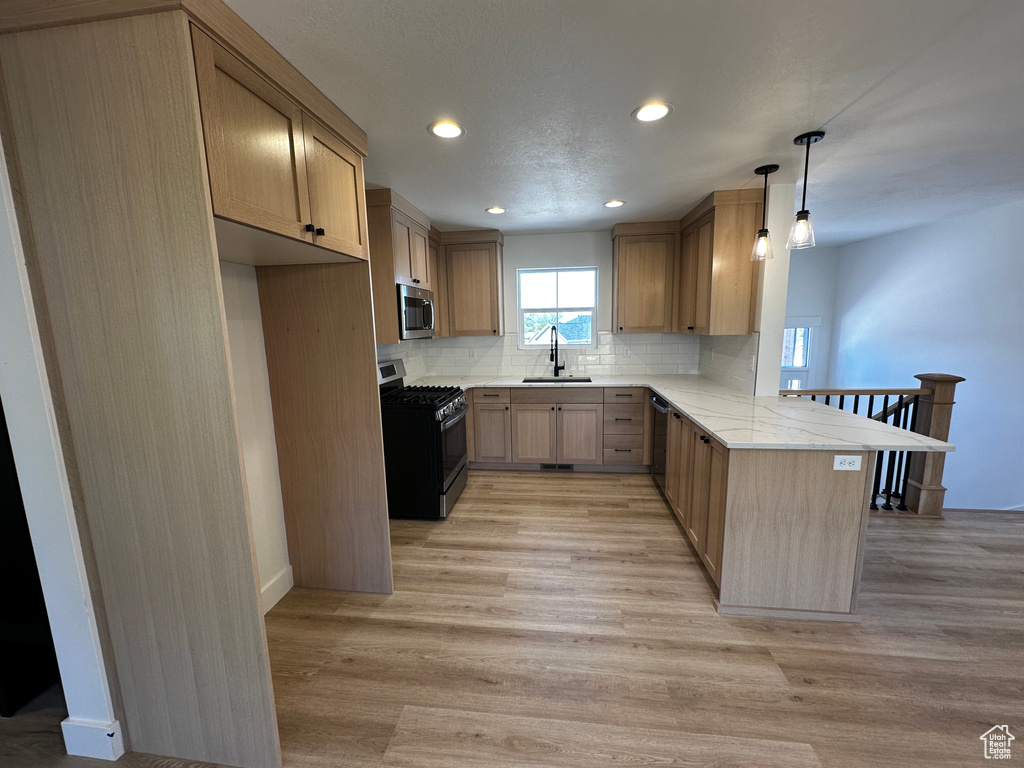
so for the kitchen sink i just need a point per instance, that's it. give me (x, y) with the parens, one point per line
(556, 380)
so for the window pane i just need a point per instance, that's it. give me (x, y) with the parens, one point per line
(537, 327)
(537, 290)
(576, 288)
(575, 327)
(795, 347)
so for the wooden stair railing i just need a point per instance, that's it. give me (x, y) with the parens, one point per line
(914, 478)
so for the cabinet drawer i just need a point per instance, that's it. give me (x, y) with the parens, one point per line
(484, 395)
(624, 441)
(623, 455)
(624, 395)
(624, 419)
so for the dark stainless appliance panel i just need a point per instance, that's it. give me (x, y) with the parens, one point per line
(415, 313)
(658, 452)
(453, 446)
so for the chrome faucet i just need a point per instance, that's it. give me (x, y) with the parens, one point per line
(554, 350)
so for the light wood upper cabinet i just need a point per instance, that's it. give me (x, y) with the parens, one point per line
(492, 432)
(717, 290)
(534, 433)
(334, 172)
(254, 144)
(271, 165)
(399, 255)
(580, 437)
(475, 302)
(643, 269)
(437, 268)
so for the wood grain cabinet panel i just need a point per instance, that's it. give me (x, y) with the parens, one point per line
(580, 433)
(437, 269)
(255, 145)
(334, 172)
(271, 166)
(623, 419)
(716, 292)
(401, 245)
(418, 258)
(474, 289)
(534, 433)
(492, 431)
(643, 268)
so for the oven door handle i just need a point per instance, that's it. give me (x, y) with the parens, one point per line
(453, 420)
(658, 406)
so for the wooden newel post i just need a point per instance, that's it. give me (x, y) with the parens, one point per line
(925, 492)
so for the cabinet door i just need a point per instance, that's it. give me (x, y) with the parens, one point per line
(702, 285)
(401, 243)
(643, 283)
(437, 268)
(686, 316)
(717, 484)
(418, 257)
(580, 433)
(492, 432)
(334, 172)
(254, 144)
(474, 289)
(534, 430)
(697, 519)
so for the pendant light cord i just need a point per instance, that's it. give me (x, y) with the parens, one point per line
(807, 160)
(764, 204)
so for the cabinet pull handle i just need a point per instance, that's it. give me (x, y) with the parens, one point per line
(506, 407)
(623, 395)
(623, 450)
(689, 327)
(310, 227)
(490, 395)
(495, 330)
(623, 419)
(320, 231)
(676, 415)
(415, 280)
(553, 408)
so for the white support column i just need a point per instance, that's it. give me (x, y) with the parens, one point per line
(91, 729)
(771, 309)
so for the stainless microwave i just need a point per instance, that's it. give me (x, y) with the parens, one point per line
(415, 313)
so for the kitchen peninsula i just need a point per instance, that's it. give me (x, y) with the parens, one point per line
(778, 526)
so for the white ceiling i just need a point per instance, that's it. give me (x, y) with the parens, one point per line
(922, 102)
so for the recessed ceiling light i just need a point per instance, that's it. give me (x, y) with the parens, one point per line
(495, 209)
(651, 111)
(447, 129)
(614, 204)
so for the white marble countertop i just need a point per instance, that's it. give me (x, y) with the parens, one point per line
(743, 421)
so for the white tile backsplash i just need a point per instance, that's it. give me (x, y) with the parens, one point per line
(723, 359)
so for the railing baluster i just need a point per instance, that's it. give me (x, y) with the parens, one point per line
(871, 406)
(841, 399)
(903, 467)
(878, 480)
(814, 398)
(856, 404)
(827, 398)
(891, 463)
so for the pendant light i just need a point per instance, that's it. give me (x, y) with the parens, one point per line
(802, 233)
(763, 241)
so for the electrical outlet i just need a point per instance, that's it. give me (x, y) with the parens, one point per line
(627, 352)
(472, 353)
(847, 463)
(753, 362)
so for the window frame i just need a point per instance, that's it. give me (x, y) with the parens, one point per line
(521, 313)
(804, 373)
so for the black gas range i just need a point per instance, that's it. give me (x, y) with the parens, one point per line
(424, 445)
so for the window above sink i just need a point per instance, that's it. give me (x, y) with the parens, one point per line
(566, 297)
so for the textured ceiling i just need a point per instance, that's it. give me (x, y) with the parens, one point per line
(922, 101)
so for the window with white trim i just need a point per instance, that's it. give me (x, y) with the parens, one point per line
(565, 298)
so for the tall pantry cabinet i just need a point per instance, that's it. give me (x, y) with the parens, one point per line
(112, 160)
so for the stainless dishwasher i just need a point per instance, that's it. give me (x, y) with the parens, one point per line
(660, 441)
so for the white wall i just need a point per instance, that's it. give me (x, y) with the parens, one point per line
(813, 274)
(256, 425)
(577, 249)
(90, 728)
(946, 298)
(771, 300)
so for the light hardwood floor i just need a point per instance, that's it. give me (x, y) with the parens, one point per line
(562, 620)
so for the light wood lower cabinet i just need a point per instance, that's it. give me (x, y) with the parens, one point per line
(492, 431)
(696, 483)
(580, 436)
(534, 433)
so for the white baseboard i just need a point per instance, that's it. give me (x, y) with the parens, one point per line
(277, 588)
(87, 738)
